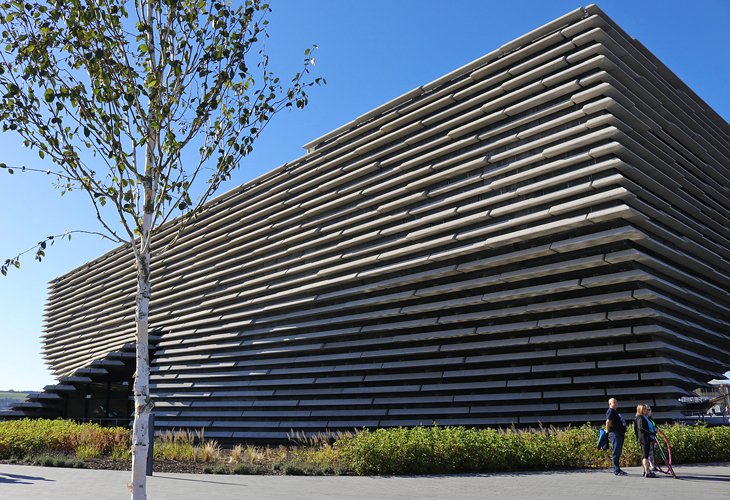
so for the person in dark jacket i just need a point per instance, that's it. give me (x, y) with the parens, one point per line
(644, 436)
(616, 428)
(652, 431)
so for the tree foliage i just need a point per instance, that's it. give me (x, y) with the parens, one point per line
(115, 92)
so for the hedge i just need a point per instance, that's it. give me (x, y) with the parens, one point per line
(32, 437)
(417, 450)
(444, 450)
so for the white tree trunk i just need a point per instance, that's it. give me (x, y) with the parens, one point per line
(142, 402)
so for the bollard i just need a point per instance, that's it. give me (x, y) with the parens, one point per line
(151, 439)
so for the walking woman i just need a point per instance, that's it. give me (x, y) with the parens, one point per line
(643, 435)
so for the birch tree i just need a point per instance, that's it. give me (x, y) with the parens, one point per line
(146, 106)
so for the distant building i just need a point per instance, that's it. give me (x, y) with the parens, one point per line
(713, 399)
(512, 243)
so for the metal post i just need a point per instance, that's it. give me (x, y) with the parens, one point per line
(151, 447)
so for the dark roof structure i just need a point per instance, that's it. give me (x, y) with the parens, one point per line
(512, 243)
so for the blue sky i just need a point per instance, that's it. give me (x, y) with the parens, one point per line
(370, 51)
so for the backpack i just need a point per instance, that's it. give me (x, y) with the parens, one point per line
(602, 440)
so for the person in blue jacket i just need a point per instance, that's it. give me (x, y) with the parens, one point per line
(652, 431)
(616, 428)
(644, 436)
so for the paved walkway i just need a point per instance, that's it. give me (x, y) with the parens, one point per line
(696, 482)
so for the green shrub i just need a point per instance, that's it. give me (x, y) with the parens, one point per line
(429, 450)
(30, 437)
(296, 467)
(418, 450)
(86, 451)
(292, 469)
(219, 469)
(246, 469)
(692, 444)
(51, 460)
(121, 451)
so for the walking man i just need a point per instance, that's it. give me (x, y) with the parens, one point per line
(616, 428)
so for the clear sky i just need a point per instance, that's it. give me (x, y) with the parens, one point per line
(370, 52)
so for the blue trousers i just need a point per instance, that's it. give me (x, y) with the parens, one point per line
(617, 446)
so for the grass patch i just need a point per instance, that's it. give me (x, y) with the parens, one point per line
(186, 446)
(13, 395)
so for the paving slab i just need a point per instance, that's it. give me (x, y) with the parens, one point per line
(708, 481)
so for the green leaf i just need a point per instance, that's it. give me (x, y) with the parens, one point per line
(49, 95)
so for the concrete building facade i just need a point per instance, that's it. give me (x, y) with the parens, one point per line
(512, 243)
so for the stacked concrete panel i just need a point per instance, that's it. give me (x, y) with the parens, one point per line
(514, 242)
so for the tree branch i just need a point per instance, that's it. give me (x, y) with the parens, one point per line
(41, 247)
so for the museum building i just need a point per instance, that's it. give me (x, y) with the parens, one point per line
(512, 243)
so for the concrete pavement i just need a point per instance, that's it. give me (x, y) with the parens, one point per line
(696, 482)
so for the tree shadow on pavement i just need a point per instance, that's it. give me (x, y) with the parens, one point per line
(197, 480)
(19, 479)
